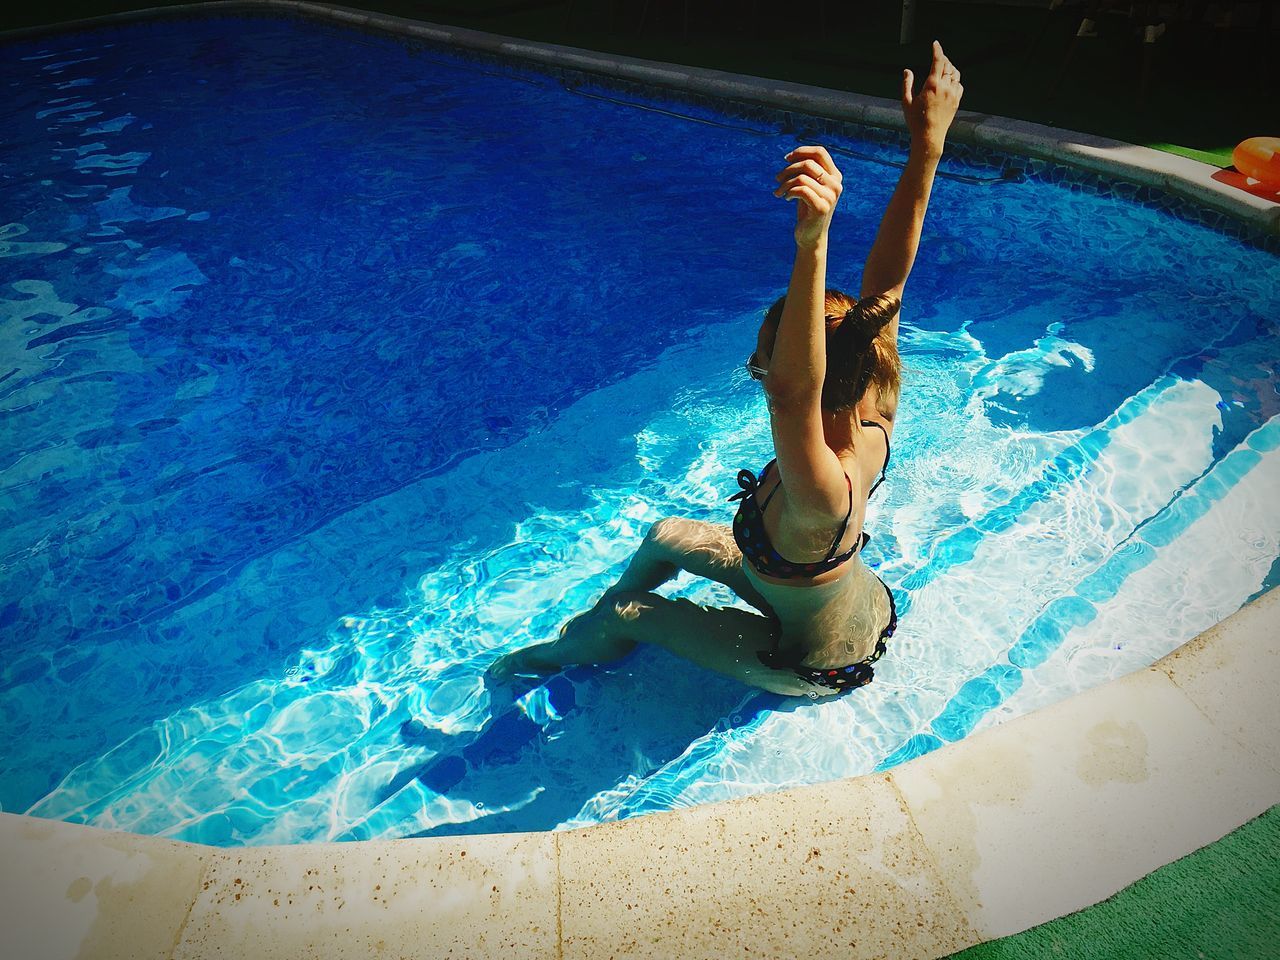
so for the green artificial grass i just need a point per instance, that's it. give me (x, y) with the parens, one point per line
(1221, 903)
(1210, 87)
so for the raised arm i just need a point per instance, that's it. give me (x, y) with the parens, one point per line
(929, 114)
(812, 476)
(798, 363)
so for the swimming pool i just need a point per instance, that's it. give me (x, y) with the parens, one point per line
(340, 366)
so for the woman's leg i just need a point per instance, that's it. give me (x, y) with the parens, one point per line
(671, 545)
(582, 640)
(725, 640)
(703, 549)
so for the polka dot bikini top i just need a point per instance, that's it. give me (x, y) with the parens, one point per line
(752, 539)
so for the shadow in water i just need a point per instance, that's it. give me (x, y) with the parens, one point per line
(538, 725)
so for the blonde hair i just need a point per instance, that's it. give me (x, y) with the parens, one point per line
(859, 351)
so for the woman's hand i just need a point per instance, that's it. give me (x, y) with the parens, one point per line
(813, 181)
(930, 112)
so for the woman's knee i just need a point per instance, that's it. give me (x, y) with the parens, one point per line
(681, 540)
(623, 606)
(664, 533)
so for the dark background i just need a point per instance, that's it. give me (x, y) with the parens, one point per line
(1208, 88)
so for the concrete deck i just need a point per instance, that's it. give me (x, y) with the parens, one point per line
(1022, 823)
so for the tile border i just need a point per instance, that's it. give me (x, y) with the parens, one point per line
(1019, 149)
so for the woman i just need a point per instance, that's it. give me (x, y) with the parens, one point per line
(829, 366)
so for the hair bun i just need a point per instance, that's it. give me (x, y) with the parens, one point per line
(869, 316)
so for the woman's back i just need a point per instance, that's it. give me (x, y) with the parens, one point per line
(830, 607)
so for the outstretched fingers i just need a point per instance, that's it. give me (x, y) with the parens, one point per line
(939, 62)
(930, 111)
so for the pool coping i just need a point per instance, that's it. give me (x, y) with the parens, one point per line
(963, 845)
(1191, 181)
(1014, 826)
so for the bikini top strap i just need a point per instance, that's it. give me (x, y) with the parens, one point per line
(776, 487)
(844, 525)
(885, 465)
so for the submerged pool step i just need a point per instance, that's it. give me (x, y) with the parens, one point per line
(958, 546)
(1215, 542)
(1117, 619)
(1071, 527)
(969, 612)
(1076, 604)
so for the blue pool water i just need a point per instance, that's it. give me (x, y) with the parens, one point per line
(330, 369)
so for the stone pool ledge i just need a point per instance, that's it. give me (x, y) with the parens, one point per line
(1022, 823)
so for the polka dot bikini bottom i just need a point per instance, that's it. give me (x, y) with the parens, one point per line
(840, 679)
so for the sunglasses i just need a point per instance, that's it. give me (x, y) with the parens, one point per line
(758, 372)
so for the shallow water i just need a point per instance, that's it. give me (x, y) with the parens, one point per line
(332, 370)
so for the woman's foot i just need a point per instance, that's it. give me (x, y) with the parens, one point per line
(576, 640)
(522, 662)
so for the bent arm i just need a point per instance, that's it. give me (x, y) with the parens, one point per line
(798, 364)
(810, 471)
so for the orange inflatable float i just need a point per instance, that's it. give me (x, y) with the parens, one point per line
(1258, 158)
